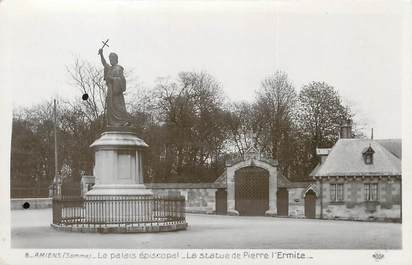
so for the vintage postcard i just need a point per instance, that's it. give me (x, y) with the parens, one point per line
(180, 132)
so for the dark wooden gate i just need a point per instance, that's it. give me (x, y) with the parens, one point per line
(221, 201)
(282, 202)
(310, 204)
(252, 191)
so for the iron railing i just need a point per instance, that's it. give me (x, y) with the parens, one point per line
(120, 210)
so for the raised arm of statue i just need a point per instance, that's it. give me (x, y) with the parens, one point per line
(102, 58)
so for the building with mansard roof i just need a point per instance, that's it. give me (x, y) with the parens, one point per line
(359, 179)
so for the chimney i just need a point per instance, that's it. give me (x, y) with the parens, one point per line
(346, 129)
(322, 153)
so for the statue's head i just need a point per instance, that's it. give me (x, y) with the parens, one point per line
(113, 58)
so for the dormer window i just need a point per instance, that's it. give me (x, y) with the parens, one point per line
(368, 155)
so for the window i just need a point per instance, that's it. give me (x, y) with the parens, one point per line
(336, 192)
(371, 191)
(368, 155)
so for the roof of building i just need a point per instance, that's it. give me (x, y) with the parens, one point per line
(346, 159)
(392, 145)
(221, 180)
(315, 170)
(284, 182)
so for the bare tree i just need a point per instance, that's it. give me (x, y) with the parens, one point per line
(274, 115)
(88, 79)
(191, 108)
(240, 123)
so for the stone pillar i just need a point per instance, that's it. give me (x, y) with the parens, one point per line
(273, 188)
(86, 183)
(230, 178)
(118, 164)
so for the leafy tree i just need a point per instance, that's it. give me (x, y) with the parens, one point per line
(321, 113)
(32, 151)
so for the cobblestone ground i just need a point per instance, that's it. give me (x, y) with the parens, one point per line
(31, 229)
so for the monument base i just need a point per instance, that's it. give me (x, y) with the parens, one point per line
(119, 189)
(118, 164)
(166, 227)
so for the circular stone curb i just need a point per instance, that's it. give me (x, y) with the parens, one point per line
(124, 229)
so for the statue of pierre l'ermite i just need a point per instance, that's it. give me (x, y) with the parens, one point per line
(116, 112)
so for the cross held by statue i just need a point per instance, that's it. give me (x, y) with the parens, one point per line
(105, 43)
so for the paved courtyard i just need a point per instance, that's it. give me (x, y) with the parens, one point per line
(31, 229)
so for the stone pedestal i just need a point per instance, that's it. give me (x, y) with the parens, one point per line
(118, 164)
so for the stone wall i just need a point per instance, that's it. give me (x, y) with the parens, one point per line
(297, 203)
(33, 203)
(360, 212)
(200, 197)
(354, 206)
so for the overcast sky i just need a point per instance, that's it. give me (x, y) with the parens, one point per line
(357, 48)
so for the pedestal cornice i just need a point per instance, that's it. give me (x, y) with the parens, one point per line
(119, 139)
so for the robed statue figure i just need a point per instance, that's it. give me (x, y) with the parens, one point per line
(116, 112)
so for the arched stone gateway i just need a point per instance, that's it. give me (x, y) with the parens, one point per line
(264, 179)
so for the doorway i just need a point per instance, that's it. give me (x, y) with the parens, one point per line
(310, 204)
